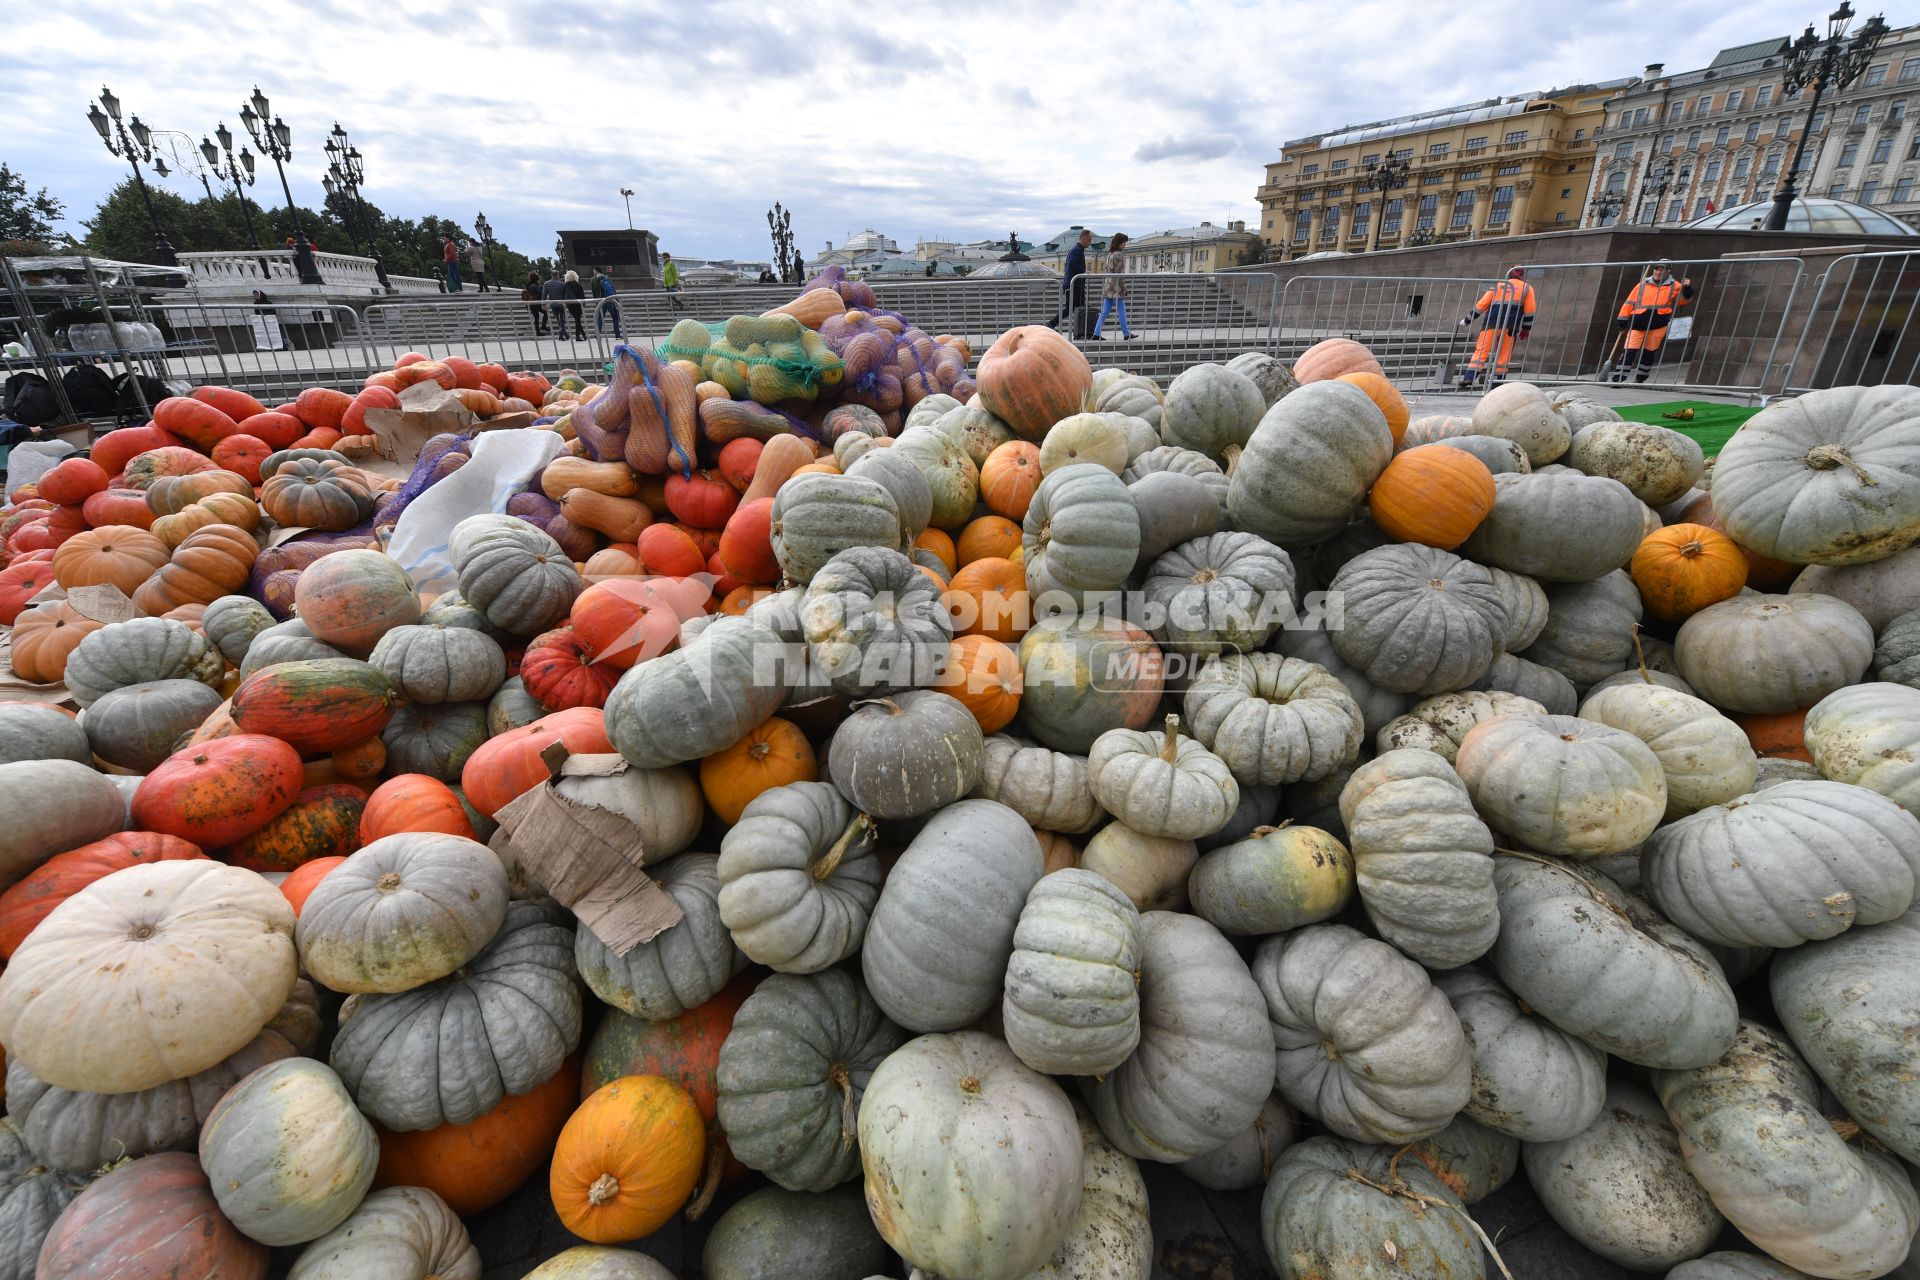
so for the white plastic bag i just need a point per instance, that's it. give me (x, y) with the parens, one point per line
(503, 463)
(31, 459)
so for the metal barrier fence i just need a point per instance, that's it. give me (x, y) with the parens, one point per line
(1857, 325)
(1413, 323)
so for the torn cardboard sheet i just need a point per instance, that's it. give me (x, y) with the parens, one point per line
(426, 410)
(588, 856)
(105, 604)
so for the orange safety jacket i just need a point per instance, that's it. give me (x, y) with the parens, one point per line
(1508, 305)
(1651, 306)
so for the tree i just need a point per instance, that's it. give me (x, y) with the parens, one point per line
(27, 219)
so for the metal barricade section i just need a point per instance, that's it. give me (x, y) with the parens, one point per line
(1410, 323)
(1180, 320)
(1855, 326)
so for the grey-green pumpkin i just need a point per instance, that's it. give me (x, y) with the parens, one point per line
(30, 732)
(1418, 619)
(1271, 374)
(680, 968)
(904, 483)
(1211, 408)
(1200, 1073)
(1589, 631)
(1314, 644)
(791, 1072)
(1865, 734)
(1770, 654)
(1081, 533)
(702, 697)
(1529, 679)
(874, 623)
(1048, 788)
(1317, 1217)
(1705, 757)
(937, 945)
(1530, 1079)
(1247, 1159)
(1173, 509)
(288, 641)
(1657, 464)
(1272, 880)
(1228, 591)
(906, 755)
(1071, 1003)
(1274, 719)
(1422, 857)
(816, 517)
(825, 1235)
(137, 651)
(519, 577)
(1564, 785)
(1309, 464)
(31, 1198)
(232, 622)
(138, 725)
(1558, 526)
(1161, 784)
(1184, 462)
(798, 878)
(1364, 1042)
(429, 663)
(435, 739)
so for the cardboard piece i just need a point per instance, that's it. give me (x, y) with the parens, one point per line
(102, 604)
(589, 858)
(426, 410)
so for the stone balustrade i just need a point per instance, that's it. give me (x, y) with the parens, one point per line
(272, 271)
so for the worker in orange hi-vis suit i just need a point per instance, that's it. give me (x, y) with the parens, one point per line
(1506, 312)
(1645, 316)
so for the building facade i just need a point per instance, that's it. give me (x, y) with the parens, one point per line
(1202, 249)
(1507, 166)
(1680, 146)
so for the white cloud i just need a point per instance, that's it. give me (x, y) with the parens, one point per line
(919, 119)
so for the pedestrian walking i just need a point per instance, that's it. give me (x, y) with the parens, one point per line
(530, 294)
(554, 293)
(477, 263)
(670, 281)
(1113, 296)
(1505, 312)
(450, 257)
(574, 291)
(607, 307)
(1073, 289)
(1644, 318)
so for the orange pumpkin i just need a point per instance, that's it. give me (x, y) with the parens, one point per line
(1764, 573)
(1387, 396)
(1782, 736)
(359, 761)
(985, 538)
(1683, 568)
(72, 480)
(168, 494)
(165, 461)
(746, 544)
(476, 1165)
(1334, 358)
(20, 582)
(33, 899)
(621, 560)
(414, 802)
(118, 506)
(627, 1159)
(737, 601)
(1031, 377)
(304, 879)
(115, 556)
(773, 753)
(941, 546)
(322, 822)
(984, 675)
(354, 421)
(237, 405)
(242, 455)
(560, 671)
(211, 563)
(1009, 477)
(114, 450)
(195, 421)
(64, 522)
(233, 509)
(219, 792)
(667, 549)
(989, 598)
(625, 621)
(318, 438)
(321, 408)
(44, 636)
(508, 764)
(1433, 494)
(278, 430)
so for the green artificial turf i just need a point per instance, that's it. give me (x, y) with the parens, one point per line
(1712, 426)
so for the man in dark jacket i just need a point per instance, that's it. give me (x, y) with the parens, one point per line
(1073, 290)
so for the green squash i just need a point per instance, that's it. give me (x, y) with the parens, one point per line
(795, 1235)
(1320, 1213)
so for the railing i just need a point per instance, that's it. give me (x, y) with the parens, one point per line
(242, 271)
(1858, 325)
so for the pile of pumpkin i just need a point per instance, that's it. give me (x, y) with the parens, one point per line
(1430, 864)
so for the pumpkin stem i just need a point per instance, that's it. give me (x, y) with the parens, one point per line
(604, 1189)
(1396, 1187)
(857, 831)
(1232, 454)
(1170, 745)
(837, 1076)
(1825, 457)
(388, 882)
(716, 1164)
(759, 751)
(1640, 656)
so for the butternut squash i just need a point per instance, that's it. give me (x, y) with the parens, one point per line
(620, 519)
(688, 367)
(782, 457)
(812, 307)
(710, 391)
(722, 420)
(565, 473)
(479, 400)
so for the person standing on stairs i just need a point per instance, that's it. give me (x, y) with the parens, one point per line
(1505, 312)
(1113, 298)
(1644, 317)
(450, 256)
(670, 281)
(575, 293)
(531, 296)
(477, 263)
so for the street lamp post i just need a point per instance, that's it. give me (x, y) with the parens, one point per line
(1838, 60)
(241, 176)
(786, 258)
(1654, 187)
(1606, 206)
(348, 170)
(275, 140)
(626, 193)
(133, 148)
(352, 223)
(1383, 178)
(484, 229)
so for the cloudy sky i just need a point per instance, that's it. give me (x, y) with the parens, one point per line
(940, 120)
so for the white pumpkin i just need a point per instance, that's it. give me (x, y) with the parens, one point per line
(1705, 757)
(1111, 1236)
(151, 974)
(1563, 785)
(1869, 735)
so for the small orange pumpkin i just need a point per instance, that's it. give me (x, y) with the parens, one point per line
(44, 636)
(985, 538)
(627, 1159)
(1009, 477)
(1781, 736)
(116, 556)
(989, 598)
(1433, 494)
(414, 802)
(476, 1165)
(984, 675)
(773, 753)
(1683, 568)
